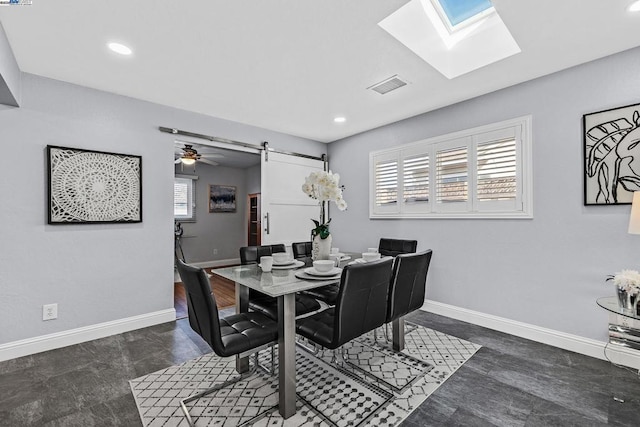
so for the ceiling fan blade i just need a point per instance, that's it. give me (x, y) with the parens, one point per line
(211, 155)
(209, 162)
(178, 160)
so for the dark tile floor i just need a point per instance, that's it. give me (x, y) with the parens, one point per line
(509, 382)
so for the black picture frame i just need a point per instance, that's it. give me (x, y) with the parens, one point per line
(93, 187)
(222, 198)
(611, 155)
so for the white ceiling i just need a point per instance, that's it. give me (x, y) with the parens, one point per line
(293, 65)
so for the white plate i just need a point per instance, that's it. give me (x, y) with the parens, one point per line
(313, 272)
(302, 275)
(287, 262)
(294, 264)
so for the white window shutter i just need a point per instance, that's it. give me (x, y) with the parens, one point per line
(385, 184)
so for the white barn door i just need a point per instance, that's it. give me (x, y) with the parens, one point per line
(286, 210)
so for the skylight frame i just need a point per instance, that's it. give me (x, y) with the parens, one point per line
(464, 24)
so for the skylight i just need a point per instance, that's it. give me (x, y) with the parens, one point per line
(458, 11)
(479, 40)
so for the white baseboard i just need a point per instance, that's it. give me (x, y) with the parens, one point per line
(75, 336)
(575, 343)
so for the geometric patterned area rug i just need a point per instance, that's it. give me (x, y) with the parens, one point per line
(376, 386)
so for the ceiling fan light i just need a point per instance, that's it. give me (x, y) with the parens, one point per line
(187, 161)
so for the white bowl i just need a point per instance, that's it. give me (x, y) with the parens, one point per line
(371, 256)
(323, 265)
(280, 257)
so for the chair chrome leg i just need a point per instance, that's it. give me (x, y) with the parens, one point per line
(183, 402)
(313, 350)
(271, 370)
(337, 356)
(243, 376)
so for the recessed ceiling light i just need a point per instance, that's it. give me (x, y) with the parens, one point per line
(340, 119)
(120, 48)
(635, 6)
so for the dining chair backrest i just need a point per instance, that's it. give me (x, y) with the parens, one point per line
(201, 305)
(362, 300)
(394, 247)
(408, 284)
(252, 254)
(302, 249)
(278, 248)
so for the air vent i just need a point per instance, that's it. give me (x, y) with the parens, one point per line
(387, 85)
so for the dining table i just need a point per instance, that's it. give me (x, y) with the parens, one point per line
(283, 283)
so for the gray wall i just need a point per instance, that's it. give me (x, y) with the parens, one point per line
(253, 179)
(96, 273)
(9, 73)
(224, 231)
(547, 271)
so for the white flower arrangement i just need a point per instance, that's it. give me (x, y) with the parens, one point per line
(324, 187)
(627, 280)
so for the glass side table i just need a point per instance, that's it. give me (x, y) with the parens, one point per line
(623, 335)
(611, 304)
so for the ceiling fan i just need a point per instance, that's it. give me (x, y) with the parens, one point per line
(188, 155)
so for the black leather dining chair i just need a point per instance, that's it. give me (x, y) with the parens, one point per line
(302, 250)
(360, 307)
(265, 304)
(238, 334)
(394, 247)
(407, 289)
(252, 254)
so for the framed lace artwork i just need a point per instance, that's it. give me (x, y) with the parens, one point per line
(89, 187)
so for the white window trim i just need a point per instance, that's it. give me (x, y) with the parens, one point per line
(472, 136)
(191, 218)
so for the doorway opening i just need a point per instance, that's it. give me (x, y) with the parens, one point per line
(211, 230)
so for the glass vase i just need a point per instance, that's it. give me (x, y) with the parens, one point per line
(627, 301)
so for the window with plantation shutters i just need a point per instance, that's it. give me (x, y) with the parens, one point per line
(483, 172)
(184, 200)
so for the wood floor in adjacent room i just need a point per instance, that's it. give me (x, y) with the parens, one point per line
(224, 291)
(510, 381)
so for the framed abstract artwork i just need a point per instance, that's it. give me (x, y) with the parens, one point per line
(611, 155)
(222, 198)
(89, 187)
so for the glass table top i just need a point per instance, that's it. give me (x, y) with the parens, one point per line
(611, 304)
(274, 284)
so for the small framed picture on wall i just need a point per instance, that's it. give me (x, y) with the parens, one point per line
(222, 198)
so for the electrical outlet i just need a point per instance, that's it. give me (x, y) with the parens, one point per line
(215, 251)
(49, 311)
